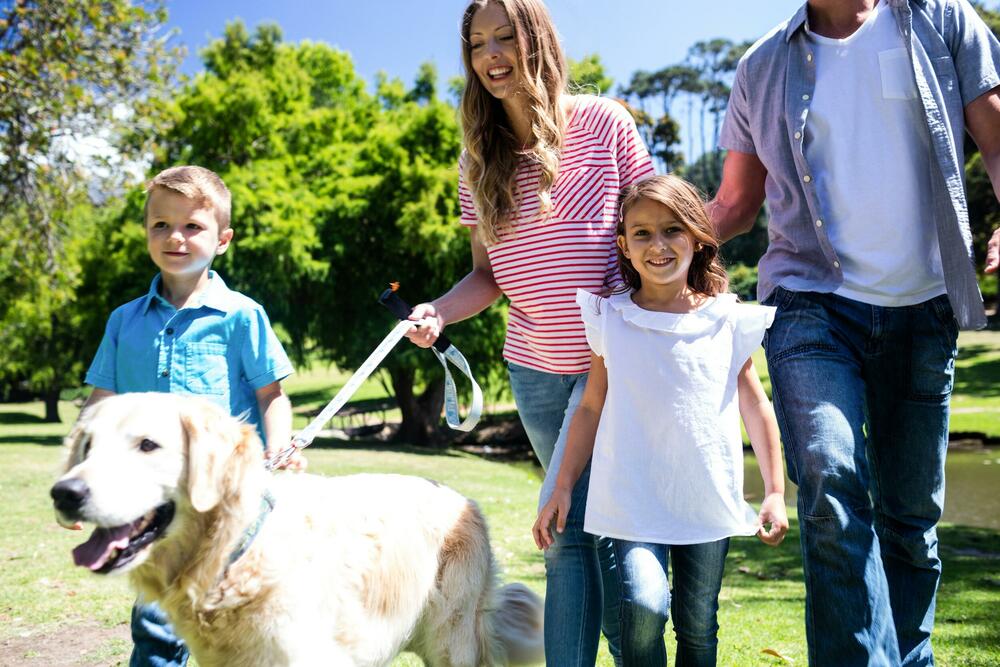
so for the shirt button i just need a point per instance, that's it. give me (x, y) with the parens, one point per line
(836, 264)
(170, 331)
(165, 373)
(806, 96)
(809, 57)
(807, 178)
(798, 135)
(819, 223)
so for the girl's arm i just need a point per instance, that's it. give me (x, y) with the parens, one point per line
(472, 294)
(579, 448)
(762, 427)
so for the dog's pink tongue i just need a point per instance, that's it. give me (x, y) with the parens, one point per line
(95, 551)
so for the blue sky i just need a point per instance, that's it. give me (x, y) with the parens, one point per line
(397, 35)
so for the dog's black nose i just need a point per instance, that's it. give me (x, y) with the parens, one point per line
(70, 495)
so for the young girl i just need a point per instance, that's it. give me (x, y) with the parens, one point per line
(538, 186)
(670, 377)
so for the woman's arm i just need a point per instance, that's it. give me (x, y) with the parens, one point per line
(579, 448)
(471, 295)
(762, 427)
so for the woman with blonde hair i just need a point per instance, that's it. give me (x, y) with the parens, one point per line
(538, 184)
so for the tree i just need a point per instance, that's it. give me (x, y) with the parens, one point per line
(336, 192)
(588, 75)
(75, 76)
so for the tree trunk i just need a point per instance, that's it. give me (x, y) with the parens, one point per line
(421, 424)
(51, 398)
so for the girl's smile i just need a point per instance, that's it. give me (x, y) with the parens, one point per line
(493, 50)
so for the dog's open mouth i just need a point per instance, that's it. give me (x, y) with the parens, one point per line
(110, 548)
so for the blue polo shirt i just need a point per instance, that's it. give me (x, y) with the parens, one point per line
(222, 348)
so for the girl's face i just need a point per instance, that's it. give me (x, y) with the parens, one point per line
(493, 51)
(659, 246)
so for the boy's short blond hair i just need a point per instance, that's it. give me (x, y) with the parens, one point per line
(197, 183)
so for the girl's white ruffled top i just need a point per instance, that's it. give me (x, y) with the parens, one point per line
(668, 458)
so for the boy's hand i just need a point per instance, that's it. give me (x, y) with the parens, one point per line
(296, 462)
(557, 508)
(772, 511)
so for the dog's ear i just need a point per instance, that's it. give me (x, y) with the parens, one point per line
(76, 441)
(211, 438)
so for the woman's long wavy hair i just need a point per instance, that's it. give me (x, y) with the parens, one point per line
(492, 150)
(707, 275)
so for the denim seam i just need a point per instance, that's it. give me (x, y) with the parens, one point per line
(798, 349)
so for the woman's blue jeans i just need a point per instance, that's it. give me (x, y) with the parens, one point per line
(647, 601)
(579, 566)
(861, 393)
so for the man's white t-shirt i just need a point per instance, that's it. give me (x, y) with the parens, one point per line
(668, 456)
(867, 146)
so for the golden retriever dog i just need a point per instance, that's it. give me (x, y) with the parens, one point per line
(285, 569)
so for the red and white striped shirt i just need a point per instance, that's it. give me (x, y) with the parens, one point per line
(539, 262)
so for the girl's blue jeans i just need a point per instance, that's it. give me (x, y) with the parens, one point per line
(647, 600)
(155, 644)
(579, 566)
(861, 393)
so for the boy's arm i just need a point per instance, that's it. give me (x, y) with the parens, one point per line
(579, 448)
(96, 397)
(762, 427)
(276, 414)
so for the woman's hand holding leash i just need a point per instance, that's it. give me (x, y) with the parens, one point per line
(430, 325)
(557, 508)
(772, 511)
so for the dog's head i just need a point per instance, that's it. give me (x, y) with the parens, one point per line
(134, 458)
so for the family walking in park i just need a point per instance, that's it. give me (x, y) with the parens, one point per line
(630, 362)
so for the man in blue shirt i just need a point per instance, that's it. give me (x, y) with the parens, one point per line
(849, 118)
(191, 334)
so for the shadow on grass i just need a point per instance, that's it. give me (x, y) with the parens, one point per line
(45, 440)
(379, 446)
(978, 379)
(20, 418)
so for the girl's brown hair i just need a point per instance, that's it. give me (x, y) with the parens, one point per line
(492, 150)
(707, 274)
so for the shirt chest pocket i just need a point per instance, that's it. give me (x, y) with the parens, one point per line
(578, 193)
(897, 75)
(206, 369)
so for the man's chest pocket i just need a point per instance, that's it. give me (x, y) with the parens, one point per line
(206, 369)
(897, 75)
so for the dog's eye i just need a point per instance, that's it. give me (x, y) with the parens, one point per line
(148, 445)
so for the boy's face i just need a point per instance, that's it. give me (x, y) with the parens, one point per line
(182, 234)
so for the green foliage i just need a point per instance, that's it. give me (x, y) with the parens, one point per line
(336, 192)
(743, 281)
(69, 71)
(587, 75)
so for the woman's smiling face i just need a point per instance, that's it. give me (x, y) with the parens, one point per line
(493, 50)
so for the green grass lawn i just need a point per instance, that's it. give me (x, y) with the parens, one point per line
(50, 608)
(47, 603)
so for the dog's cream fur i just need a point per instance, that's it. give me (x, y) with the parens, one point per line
(345, 571)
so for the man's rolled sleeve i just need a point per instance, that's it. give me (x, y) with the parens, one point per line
(736, 135)
(975, 51)
(102, 371)
(262, 355)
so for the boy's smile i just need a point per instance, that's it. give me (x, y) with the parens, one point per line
(183, 236)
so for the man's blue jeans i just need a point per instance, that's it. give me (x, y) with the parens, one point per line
(579, 566)
(647, 602)
(156, 645)
(861, 394)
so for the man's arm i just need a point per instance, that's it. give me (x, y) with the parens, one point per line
(982, 119)
(740, 196)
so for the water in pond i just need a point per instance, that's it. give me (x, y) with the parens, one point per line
(972, 496)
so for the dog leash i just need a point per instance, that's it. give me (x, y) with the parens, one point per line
(443, 349)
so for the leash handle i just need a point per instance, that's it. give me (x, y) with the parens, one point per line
(401, 310)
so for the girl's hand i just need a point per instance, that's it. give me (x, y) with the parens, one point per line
(430, 325)
(557, 508)
(772, 511)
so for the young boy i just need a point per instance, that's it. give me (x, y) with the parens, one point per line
(191, 334)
